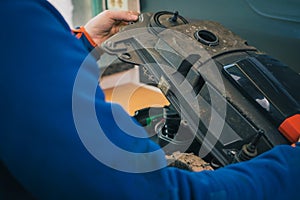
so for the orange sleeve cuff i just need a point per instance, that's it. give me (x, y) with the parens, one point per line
(81, 31)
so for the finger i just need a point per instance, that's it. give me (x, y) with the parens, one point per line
(121, 15)
(117, 27)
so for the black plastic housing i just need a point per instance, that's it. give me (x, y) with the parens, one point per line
(226, 91)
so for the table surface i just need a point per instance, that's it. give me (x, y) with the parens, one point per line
(133, 97)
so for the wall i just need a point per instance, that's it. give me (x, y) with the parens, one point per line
(65, 7)
(75, 12)
(82, 11)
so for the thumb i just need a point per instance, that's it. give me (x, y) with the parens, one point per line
(121, 15)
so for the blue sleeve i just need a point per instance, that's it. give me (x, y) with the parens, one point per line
(39, 141)
(272, 175)
(50, 106)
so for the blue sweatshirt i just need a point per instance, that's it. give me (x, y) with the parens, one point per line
(50, 144)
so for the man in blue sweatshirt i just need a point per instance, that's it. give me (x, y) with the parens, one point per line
(39, 142)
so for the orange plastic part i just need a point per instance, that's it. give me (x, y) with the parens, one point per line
(290, 128)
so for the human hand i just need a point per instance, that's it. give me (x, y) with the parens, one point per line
(107, 23)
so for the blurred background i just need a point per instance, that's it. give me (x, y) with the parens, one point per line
(271, 26)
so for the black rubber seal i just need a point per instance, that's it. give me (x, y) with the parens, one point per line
(207, 38)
